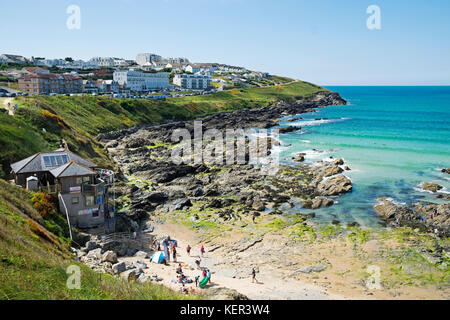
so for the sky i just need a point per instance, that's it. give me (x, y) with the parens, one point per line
(326, 42)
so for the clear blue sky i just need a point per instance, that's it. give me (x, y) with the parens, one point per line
(322, 41)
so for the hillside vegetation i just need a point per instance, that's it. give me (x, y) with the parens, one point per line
(34, 260)
(79, 119)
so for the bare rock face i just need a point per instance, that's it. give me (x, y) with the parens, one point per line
(110, 256)
(300, 157)
(222, 293)
(437, 215)
(433, 187)
(339, 162)
(320, 202)
(446, 170)
(131, 275)
(389, 210)
(335, 185)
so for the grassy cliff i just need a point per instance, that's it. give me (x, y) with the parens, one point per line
(34, 260)
(79, 119)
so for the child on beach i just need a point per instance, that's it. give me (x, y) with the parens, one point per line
(202, 250)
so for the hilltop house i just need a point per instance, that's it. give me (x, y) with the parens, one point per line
(81, 187)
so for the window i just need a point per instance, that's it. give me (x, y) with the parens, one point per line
(90, 200)
(75, 200)
(87, 179)
(78, 180)
(47, 161)
(53, 161)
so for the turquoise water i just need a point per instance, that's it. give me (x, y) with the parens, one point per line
(392, 138)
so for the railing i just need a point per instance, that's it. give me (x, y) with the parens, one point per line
(93, 188)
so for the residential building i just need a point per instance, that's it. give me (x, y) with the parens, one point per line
(50, 62)
(192, 81)
(81, 187)
(227, 68)
(120, 63)
(103, 62)
(146, 58)
(177, 60)
(12, 58)
(108, 86)
(141, 81)
(90, 86)
(34, 70)
(50, 83)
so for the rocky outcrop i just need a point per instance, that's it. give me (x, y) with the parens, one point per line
(433, 187)
(320, 202)
(335, 185)
(388, 210)
(423, 215)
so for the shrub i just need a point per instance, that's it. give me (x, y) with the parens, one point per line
(44, 203)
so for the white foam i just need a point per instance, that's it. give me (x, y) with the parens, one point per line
(310, 123)
(420, 188)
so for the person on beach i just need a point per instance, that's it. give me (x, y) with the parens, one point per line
(188, 250)
(197, 262)
(197, 278)
(204, 273)
(179, 269)
(254, 276)
(174, 254)
(209, 275)
(202, 250)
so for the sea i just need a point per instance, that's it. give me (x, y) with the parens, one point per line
(393, 139)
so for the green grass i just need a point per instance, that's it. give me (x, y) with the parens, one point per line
(33, 261)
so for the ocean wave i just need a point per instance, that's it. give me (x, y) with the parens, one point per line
(310, 123)
(420, 188)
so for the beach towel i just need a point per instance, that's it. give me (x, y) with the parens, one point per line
(203, 283)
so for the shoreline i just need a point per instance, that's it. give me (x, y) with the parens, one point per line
(210, 201)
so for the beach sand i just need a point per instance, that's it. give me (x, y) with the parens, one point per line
(276, 259)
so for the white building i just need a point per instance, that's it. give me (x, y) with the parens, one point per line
(192, 81)
(141, 81)
(146, 58)
(103, 62)
(176, 60)
(12, 58)
(120, 62)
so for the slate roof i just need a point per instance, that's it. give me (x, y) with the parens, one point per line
(36, 162)
(71, 169)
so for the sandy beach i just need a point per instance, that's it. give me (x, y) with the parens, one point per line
(277, 262)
